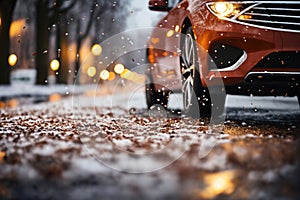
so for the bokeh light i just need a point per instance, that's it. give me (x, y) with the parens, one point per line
(54, 65)
(12, 59)
(125, 73)
(54, 97)
(170, 33)
(119, 68)
(104, 74)
(91, 71)
(217, 184)
(177, 28)
(16, 27)
(112, 76)
(96, 50)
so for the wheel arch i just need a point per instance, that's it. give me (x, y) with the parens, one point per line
(185, 25)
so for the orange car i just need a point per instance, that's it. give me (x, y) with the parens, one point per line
(238, 47)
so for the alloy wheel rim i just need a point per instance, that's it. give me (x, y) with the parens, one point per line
(188, 70)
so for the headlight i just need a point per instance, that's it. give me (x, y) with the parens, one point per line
(225, 9)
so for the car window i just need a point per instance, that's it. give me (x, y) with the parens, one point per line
(173, 3)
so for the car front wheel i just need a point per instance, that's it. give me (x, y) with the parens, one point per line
(196, 97)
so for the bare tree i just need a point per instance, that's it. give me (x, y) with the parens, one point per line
(112, 19)
(60, 19)
(105, 16)
(82, 34)
(47, 13)
(6, 15)
(42, 41)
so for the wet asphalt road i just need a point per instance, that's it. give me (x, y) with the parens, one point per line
(56, 151)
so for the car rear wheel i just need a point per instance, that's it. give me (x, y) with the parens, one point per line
(154, 97)
(196, 97)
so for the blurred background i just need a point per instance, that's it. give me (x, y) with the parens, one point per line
(44, 42)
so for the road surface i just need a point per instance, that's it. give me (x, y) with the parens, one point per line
(98, 146)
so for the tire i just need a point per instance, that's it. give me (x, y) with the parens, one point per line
(298, 100)
(197, 101)
(154, 97)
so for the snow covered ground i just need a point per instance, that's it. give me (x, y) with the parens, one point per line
(136, 97)
(34, 90)
(236, 101)
(83, 147)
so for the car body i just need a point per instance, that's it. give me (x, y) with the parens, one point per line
(252, 46)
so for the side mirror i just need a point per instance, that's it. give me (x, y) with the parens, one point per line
(159, 5)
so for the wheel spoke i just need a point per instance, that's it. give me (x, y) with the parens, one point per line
(190, 56)
(185, 62)
(187, 89)
(188, 67)
(186, 47)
